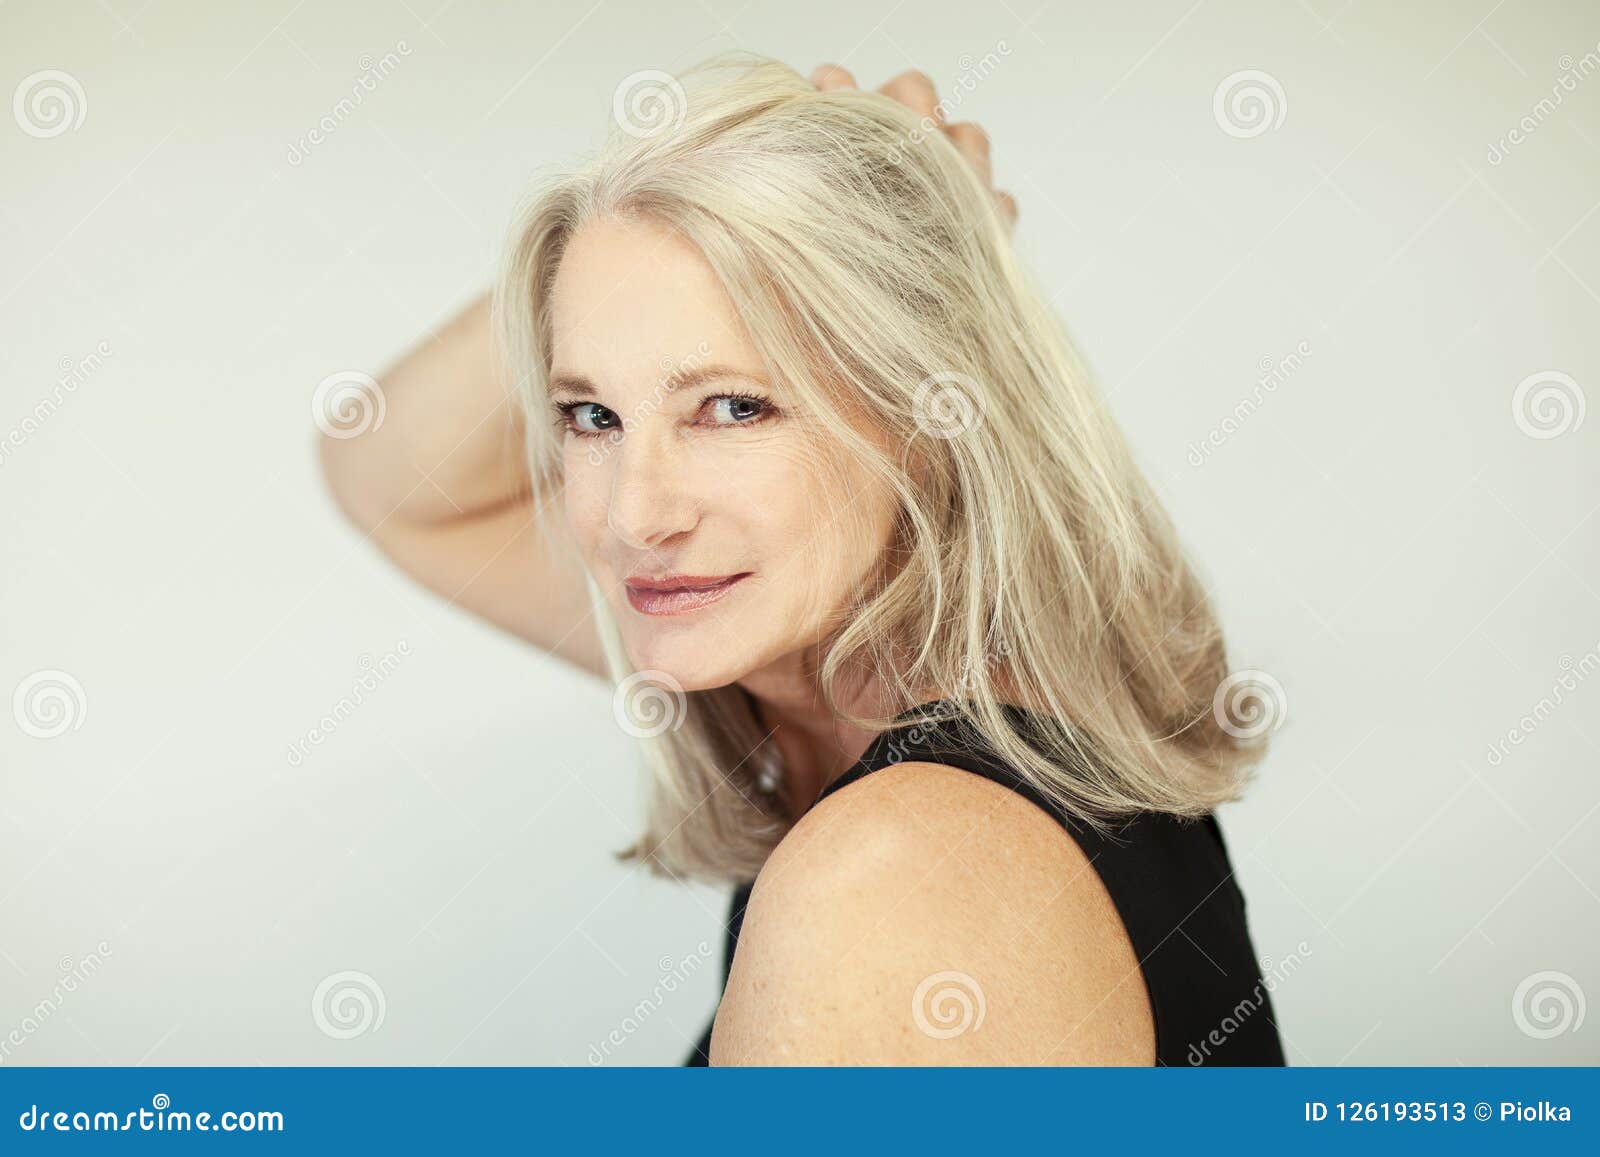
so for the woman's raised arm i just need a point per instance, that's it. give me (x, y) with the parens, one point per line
(441, 486)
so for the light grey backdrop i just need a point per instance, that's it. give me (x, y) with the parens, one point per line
(1349, 323)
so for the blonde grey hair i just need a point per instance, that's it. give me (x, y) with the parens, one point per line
(1034, 565)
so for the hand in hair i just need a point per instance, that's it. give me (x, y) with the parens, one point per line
(915, 90)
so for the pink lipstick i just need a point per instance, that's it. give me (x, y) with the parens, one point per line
(678, 594)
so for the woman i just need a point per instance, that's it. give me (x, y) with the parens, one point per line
(787, 444)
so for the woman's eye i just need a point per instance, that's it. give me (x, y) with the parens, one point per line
(737, 409)
(591, 419)
(588, 417)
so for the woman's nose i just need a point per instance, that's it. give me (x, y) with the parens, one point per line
(651, 498)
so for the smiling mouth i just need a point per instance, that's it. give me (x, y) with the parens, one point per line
(680, 594)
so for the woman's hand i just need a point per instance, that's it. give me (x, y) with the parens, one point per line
(915, 90)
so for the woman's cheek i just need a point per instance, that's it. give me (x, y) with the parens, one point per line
(584, 498)
(780, 469)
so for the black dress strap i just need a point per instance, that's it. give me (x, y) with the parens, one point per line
(1169, 878)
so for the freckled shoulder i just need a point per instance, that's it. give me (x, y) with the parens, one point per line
(926, 915)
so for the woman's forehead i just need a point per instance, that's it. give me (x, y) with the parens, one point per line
(632, 300)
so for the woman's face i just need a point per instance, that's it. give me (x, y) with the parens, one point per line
(724, 530)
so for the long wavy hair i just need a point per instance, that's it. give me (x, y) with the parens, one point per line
(1033, 564)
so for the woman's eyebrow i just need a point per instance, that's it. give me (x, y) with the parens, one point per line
(576, 383)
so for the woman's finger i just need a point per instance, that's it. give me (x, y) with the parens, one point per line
(973, 143)
(1007, 205)
(915, 90)
(828, 77)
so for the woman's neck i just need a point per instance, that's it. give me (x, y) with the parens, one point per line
(815, 746)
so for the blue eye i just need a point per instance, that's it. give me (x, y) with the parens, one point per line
(591, 419)
(586, 419)
(738, 409)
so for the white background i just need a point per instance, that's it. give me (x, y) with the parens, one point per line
(1381, 534)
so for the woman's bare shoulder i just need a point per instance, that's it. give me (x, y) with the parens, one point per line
(927, 915)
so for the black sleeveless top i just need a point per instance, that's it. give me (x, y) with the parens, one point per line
(1171, 882)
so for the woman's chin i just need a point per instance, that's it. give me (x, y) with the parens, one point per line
(690, 664)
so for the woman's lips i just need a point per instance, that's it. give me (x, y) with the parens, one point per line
(680, 594)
